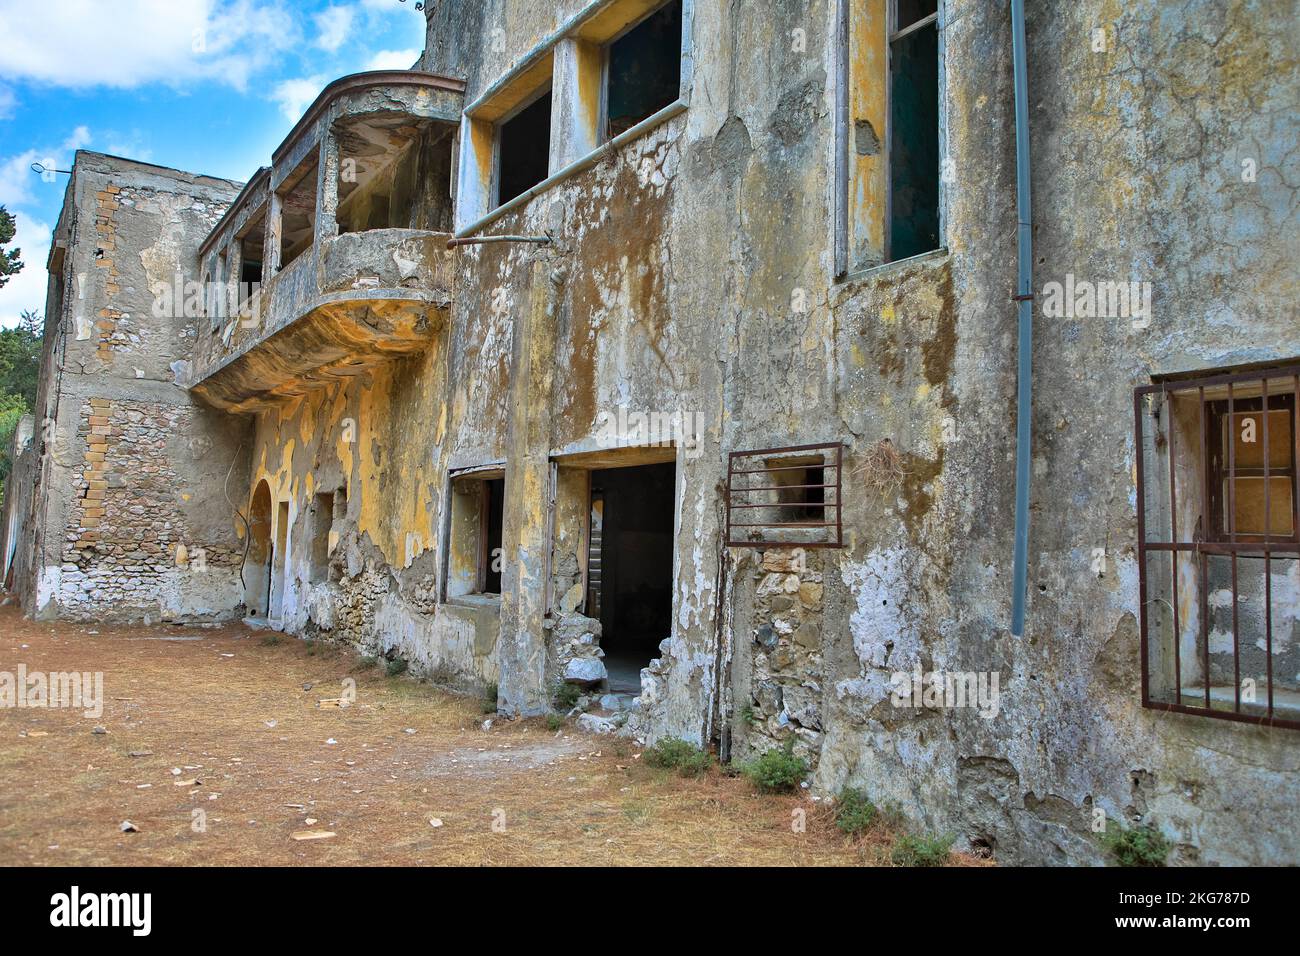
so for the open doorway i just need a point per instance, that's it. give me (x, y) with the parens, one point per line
(630, 567)
(257, 566)
(279, 561)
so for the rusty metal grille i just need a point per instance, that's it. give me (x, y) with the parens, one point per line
(1218, 512)
(786, 497)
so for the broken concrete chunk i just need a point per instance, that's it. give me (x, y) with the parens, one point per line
(597, 725)
(585, 671)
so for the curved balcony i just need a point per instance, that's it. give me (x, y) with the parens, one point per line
(341, 244)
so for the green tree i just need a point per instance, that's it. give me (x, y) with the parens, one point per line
(10, 261)
(20, 359)
(20, 363)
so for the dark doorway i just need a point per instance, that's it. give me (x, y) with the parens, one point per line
(633, 550)
(494, 498)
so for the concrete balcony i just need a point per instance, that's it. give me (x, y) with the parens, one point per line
(340, 245)
(348, 303)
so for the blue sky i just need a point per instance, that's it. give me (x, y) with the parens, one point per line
(209, 86)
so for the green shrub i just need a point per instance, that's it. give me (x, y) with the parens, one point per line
(1140, 846)
(565, 696)
(272, 640)
(854, 812)
(673, 754)
(777, 771)
(488, 704)
(747, 716)
(912, 850)
(396, 666)
(554, 721)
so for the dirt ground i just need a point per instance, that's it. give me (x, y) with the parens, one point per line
(218, 750)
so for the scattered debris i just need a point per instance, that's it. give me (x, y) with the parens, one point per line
(140, 753)
(435, 822)
(129, 827)
(100, 730)
(314, 834)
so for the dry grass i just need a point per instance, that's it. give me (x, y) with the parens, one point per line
(882, 467)
(231, 711)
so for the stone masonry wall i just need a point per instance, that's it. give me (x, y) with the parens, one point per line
(129, 549)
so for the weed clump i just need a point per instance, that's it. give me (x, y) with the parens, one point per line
(776, 771)
(1140, 846)
(911, 850)
(673, 754)
(854, 812)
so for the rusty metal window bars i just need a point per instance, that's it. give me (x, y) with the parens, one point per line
(1219, 545)
(787, 497)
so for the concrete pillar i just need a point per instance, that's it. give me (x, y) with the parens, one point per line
(526, 533)
(474, 171)
(577, 93)
(327, 187)
(271, 245)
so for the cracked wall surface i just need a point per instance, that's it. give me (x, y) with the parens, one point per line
(693, 271)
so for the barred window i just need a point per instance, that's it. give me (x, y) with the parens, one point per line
(785, 497)
(1218, 550)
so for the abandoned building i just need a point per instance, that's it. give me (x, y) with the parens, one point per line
(674, 350)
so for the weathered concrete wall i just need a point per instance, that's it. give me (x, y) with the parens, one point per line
(131, 469)
(369, 441)
(695, 272)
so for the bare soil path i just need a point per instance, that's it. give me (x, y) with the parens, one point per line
(239, 717)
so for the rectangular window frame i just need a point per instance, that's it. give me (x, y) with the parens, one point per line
(843, 219)
(495, 189)
(1198, 544)
(737, 504)
(482, 474)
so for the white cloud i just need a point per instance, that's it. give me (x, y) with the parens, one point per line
(86, 43)
(334, 24)
(80, 137)
(26, 290)
(393, 60)
(19, 183)
(294, 96)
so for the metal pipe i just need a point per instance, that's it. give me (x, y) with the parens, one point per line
(453, 243)
(1025, 299)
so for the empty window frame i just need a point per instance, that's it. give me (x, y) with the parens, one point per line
(913, 129)
(1218, 551)
(475, 553)
(251, 242)
(889, 119)
(785, 497)
(643, 70)
(297, 213)
(524, 149)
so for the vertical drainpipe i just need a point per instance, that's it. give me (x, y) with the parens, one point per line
(1025, 300)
